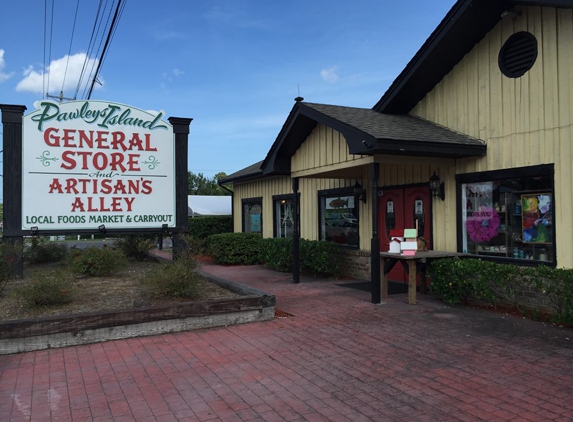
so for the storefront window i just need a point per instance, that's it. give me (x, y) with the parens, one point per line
(284, 216)
(252, 215)
(339, 217)
(509, 217)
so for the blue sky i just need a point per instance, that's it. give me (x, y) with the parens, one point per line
(234, 66)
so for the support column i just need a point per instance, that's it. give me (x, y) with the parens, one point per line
(296, 234)
(181, 132)
(375, 242)
(12, 183)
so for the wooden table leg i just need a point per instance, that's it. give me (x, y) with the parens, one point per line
(412, 282)
(423, 287)
(383, 279)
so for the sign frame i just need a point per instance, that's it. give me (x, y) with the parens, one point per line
(12, 119)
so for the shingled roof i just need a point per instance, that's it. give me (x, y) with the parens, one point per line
(368, 132)
(252, 172)
(391, 127)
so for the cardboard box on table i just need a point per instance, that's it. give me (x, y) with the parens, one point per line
(410, 244)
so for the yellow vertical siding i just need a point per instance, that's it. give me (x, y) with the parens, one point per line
(264, 188)
(268, 187)
(525, 121)
(323, 150)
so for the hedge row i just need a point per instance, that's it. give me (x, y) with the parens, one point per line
(456, 280)
(316, 258)
(203, 227)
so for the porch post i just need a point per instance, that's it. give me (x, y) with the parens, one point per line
(375, 243)
(296, 234)
(181, 133)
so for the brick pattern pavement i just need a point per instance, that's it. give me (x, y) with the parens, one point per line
(337, 358)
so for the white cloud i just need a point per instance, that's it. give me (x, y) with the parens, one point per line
(3, 76)
(68, 67)
(167, 77)
(329, 75)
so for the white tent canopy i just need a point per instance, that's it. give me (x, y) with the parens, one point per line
(208, 205)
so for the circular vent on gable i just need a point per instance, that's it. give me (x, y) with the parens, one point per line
(518, 54)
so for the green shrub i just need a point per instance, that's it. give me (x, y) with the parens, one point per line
(203, 227)
(173, 279)
(95, 262)
(41, 249)
(235, 248)
(135, 246)
(507, 282)
(557, 285)
(47, 288)
(455, 280)
(319, 258)
(276, 253)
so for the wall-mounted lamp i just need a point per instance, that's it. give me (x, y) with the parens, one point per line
(437, 187)
(101, 228)
(34, 230)
(359, 192)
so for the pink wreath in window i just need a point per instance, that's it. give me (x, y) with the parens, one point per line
(482, 225)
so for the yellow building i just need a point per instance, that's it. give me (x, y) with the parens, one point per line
(485, 106)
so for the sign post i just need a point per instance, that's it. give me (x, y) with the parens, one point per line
(12, 179)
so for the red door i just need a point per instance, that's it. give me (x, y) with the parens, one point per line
(400, 208)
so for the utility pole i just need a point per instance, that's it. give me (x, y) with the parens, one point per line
(61, 97)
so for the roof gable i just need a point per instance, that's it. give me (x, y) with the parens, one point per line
(467, 22)
(368, 132)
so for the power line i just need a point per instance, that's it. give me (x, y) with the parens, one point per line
(106, 45)
(71, 41)
(89, 50)
(49, 50)
(98, 24)
(105, 25)
(114, 28)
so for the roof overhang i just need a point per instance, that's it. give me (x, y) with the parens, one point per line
(249, 173)
(416, 148)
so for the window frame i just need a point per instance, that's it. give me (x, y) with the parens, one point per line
(529, 172)
(249, 202)
(323, 195)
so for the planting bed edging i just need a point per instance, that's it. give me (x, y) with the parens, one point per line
(52, 332)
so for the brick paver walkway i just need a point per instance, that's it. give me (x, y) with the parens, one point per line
(337, 358)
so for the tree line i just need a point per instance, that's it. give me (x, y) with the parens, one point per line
(199, 184)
